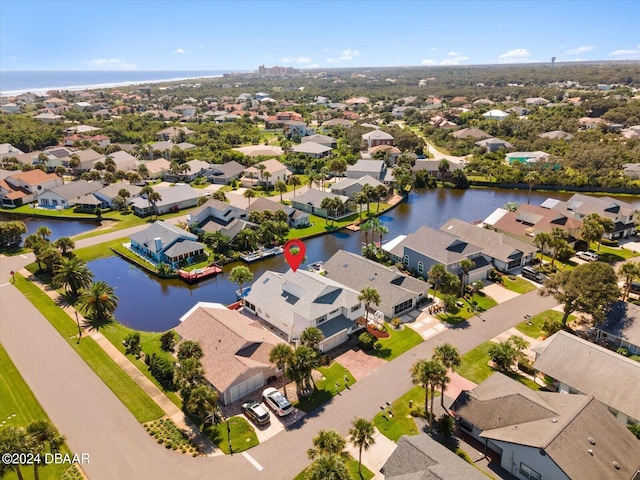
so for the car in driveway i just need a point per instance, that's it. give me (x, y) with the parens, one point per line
(256, 412)
(277, 402)
(587, 256)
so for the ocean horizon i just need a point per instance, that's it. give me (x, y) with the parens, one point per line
(16, 82)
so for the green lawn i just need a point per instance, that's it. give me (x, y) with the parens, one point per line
(402, 422)
(129, 393)
(18, 408)
(533, 328)
(352, 467)
(150, 341)
(398, 343)
(517, 284)
(457, 315)
(241, 434)
(612, 254)
(326, 388)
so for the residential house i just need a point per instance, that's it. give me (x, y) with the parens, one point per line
(529, 220)
(321, 139)
(108, 193)
(163, 242)
(54, 102)
(433, 167)
(99, 140)
(336, 122)
(631, 170)
(312, 149)
(608, 376)
(297, 128)
(70, 195)
(532, 101)
(173, 199)
(49, 117)
(556, 135)
(374, 168)
(426, 247)
(185, 110)
(260, 151)
(311, 201)
(391, 154)
(519, 111)
(493, 144)
(80, 129)
(19, 188)
(399, 293)
(495, 115)
(157, 168)
(621, 328)
(224, 173)
(291, 302)
(275, 170)
(82, 106)
(87, 159)
(197, 168)
(296, 218)
(623, 214)
(217, 216)
(588, 123)
(123, 160)
(174, 133)
(472, 133)
(505, 253)
(483, 101)
(236, 349)
(377, 137)
(420, 457)
(8, 150)
(349, 187)
(539, 435)
(526, 157)
(10, 108)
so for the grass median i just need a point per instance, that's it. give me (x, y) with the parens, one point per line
(142, 407)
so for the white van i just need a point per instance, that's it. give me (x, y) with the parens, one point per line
(588, 256)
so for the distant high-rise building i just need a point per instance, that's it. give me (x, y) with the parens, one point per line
(553, 61)
(276, 71)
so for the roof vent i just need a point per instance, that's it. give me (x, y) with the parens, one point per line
(616, 465)
(554, 420)
(590, 452)
(591, 441)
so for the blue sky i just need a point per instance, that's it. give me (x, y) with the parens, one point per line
(228, 35)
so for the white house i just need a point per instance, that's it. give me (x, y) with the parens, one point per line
(273, 171)
(20, 188)
(173, 199)
(69, 195)
(495, 115)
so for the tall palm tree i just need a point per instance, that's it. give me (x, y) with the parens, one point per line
(436, 274)
(301, 365)
(381, 192)
(361, 436)
(327, 442)
(280, 355)
(249, 193)
(153, 198)
(382, 230)
(542, 240)
(240, 275)
(73, 275)
(64, 244)
(294, 180)
(359, 199)
(369, 295)
(466, 264)
(261, 168)
(44, 233)
(12, 440)
(311, 337)
(532, 178)
(328, 467)
(370, 193)
(98, 301)
(558, 242)
(629, 271)
(281, 188)
(201, 399)
(42, 438)
(428, 374)
(449, 355)
(366, 227)
(267, 175)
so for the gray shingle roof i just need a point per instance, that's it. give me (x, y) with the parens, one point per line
(77, 189)
(170, 195)
(440, 246)
(167, 232)
(367, 166)
(347, 182)
(315, 197)
(623, 321)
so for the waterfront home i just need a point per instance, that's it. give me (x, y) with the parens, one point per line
(77, 193)
(608, 376)
(295, 218)
(399, 293)
(374, 168)
(108, 193)
(433, 168)
(537, 434)
(163, 242)
(349, 187)
(19, 188)
(526, 157)
(173, 199)
(311, 202)
(420, 250)
(291, 302)
(236, 349)
(217, 216)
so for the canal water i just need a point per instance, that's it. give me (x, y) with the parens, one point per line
(152, 304)
(59, 228)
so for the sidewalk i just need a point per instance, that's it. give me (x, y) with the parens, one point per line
(170, 409)
(377, 455)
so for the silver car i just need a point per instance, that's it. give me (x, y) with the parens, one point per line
(277, 402)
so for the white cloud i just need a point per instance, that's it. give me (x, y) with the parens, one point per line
(110, 64)
(453, 54)
(428, 61)
(454, 60)
(350, 53)
(626, 53)
(331, 60)
(517, 53)
(182, 51)
(579, 50)
(433, 49)
(296, 60)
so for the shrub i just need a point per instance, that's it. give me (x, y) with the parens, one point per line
(162, 369)
(132, 344)
(623, 351)
(444, 425)
(635, 429)
(526, 367)
(609, 243)
(396, 322)
(168, 341)
(366, 341)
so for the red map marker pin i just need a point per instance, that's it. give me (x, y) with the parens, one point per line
(294, 251)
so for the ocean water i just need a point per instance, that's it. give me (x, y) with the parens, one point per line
(14, 82)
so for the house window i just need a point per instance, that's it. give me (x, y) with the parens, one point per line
(334, 311)
(528, 472)
(420, 267)
(405, 260)
(401, 307)
(321, 319)
(355, 308)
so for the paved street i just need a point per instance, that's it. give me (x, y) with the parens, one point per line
(95, 422)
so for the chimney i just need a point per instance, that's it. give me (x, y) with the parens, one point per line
(158, 243)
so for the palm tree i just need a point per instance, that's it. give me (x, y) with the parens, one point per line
(437, 274)
(246, 239)
(558, 242)
(370, 193)
(12, 440)
(428, 374)
(327, 442)
(249, 194)
(608, 226)
(369, 295)
(201, 399)
(301, 365)
(240, 275)
(532, 178)
(280, 355)
(381, 192)
(629, 271)
(541, 240)
(42, 438)
(328, 467)
(153, 198)
(281, 188)
(73, 274)
(294, 180)
(44, 233)
(366, 227)
(267, 175)
(311, 337)
(64, 244)
(361, 436)
(507, 352)
(466, 264)
(382, 230)
(98, 301)
(261, 168)
(189, 373)
(359, 199)
(190, 349)
(449, 355)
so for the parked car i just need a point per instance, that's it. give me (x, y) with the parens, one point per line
(533, 274)
(588, 256)
(635, 287)
(256, 412)
(277, 402)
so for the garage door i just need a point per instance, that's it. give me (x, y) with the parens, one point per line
(243, 388)
(334, 341)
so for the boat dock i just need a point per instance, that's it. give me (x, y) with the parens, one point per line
(260, 254)
(198, 274)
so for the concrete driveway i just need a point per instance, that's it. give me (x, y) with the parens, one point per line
(499, 293)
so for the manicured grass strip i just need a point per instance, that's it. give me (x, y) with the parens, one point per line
(352, 468)
(19, 407)
(241, 434)
(398, 343)
(101, 250)
(534, 330)
(402, 422)
(475, 364)
(517, 284)
(457, 314)
(129, 393)
(150, 342)
(612, 254)
(326, 388)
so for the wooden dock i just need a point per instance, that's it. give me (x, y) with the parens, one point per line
(198, 274)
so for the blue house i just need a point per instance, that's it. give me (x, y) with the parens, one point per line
(166, 243)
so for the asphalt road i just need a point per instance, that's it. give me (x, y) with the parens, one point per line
(95, 422)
